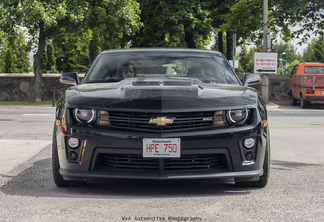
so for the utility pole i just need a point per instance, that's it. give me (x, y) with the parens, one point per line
(234, 49)
(265, 77)
(265, 25)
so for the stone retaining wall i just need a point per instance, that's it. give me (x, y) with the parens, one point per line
(20, 87)
(278, 88)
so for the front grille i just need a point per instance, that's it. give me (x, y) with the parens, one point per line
(140, 121)
(188, 163)
(194, 162)
(127, 162)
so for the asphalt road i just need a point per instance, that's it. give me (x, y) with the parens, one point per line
(295, 191)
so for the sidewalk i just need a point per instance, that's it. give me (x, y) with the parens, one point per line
(24, 106)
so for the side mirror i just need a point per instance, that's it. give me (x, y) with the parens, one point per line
(71, 78)
(251, 79)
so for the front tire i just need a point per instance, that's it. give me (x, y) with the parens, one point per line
(293, 101)
(58, 178)
(303, 102)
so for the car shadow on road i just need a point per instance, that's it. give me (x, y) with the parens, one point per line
(34, 178)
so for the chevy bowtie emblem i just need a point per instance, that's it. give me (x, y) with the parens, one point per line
(162, 121)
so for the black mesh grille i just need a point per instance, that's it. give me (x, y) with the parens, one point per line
(194, 162)
(140, 121)
(127, 162)
(137, 162)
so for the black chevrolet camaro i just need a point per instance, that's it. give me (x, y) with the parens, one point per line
(161, 114)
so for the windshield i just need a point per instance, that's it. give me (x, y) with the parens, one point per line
(156, 64)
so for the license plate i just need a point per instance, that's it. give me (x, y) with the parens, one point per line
(162, 148)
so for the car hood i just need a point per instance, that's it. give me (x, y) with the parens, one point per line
(161, 95)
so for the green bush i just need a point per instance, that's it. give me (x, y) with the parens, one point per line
(10, 66)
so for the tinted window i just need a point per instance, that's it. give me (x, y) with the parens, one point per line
(314, 69)
(121, 65)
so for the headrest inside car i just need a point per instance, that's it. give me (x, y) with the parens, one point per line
(194, 71)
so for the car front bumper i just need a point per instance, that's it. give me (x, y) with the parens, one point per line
(215, 153)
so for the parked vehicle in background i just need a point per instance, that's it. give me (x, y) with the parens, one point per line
(307, 84)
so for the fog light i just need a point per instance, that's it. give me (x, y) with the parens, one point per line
(73, 142)
(249, 143)
(73, 155)
(249, 156)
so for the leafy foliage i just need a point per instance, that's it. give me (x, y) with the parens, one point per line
(315, 51)
(19, 51)
(48, 58)
(72, 52)
(306, 15)
(10, 67)
(174, 24)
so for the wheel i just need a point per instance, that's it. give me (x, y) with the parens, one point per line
(263, 180)
(293, 101)
(303, 102)
(58, 178)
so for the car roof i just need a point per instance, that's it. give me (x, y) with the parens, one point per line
(311, 64)
(166, 50)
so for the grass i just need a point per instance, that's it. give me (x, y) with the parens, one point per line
(25, 103)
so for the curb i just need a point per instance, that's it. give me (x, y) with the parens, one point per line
(272, 106)
(24, 106)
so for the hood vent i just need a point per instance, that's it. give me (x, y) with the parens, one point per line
(161, 83)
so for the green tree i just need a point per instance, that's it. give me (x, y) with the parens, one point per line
(318, 55)
(93, 49)
(112, 23)
(174, 24)
(42, 18)
(291, 65)
(309, 51)
(109, 20)
(244, 59)
(72, 52)
(48, 58)
(51, 61)
(10, 66)
(315, 51)
(44, 65)
(20, 51)
(2, 52)
(289, 55)
(307, 14)
(289, 50)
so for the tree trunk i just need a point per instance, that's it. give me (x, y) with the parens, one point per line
(37, 64)
(220, 42)
(189, 39)
(229, 41)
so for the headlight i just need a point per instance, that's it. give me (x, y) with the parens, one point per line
(85, 115)
(238, 116)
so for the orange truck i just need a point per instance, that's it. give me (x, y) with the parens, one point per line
(306, 84)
